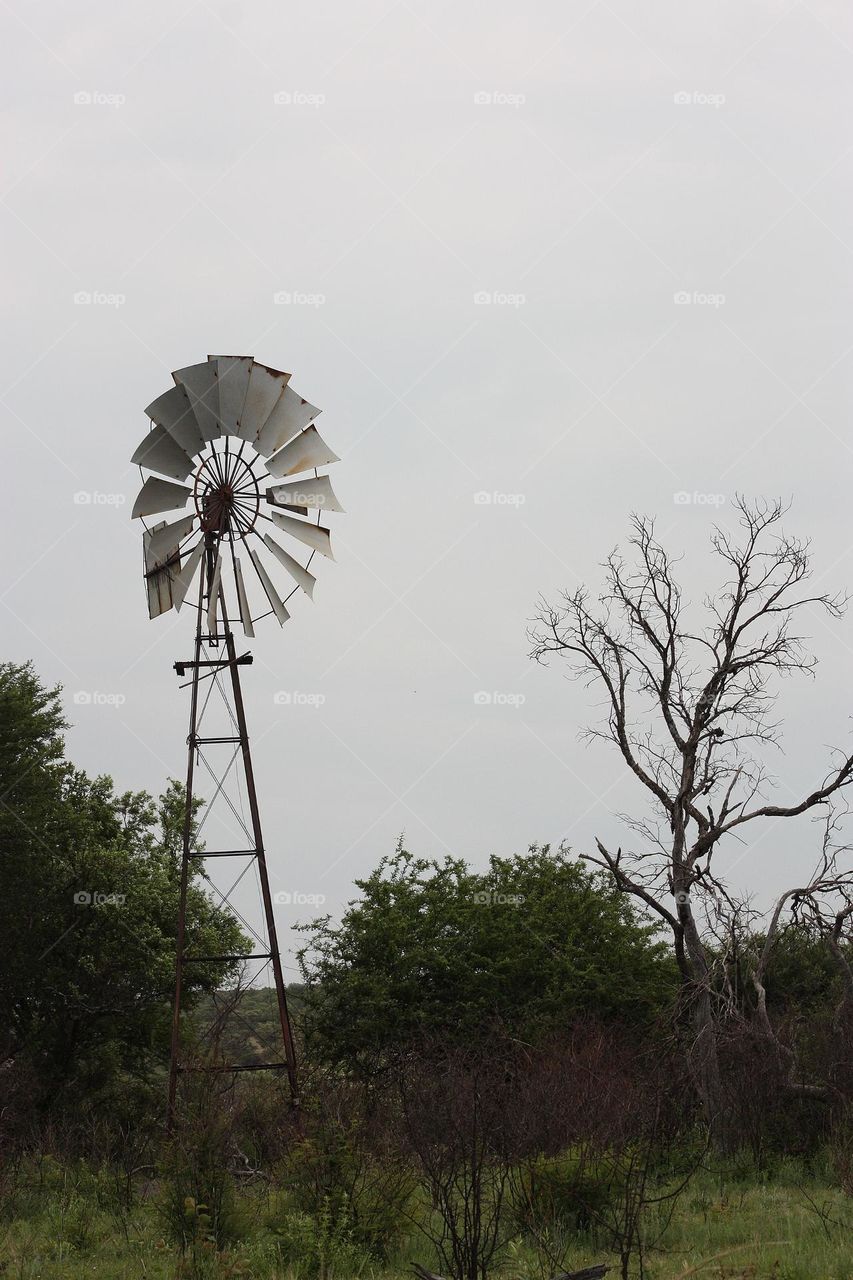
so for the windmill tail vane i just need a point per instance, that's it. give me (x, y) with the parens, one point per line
(234, 448)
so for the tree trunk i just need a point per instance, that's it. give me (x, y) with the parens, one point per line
(706, 1066)
(704, 1056)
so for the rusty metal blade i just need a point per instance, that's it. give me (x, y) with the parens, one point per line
(265, 387)
(173, 411)
(315, 492)
(307, 451)
(159, 495)
(243, 600)
(233, 376)
(160, 452)
(166, 536)
(313, 535)
(183, 580)
(159, 549)
(203, 391)
(290, 415)
(299, 575)
(272, 595)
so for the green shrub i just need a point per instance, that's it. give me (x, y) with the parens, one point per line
(321, 1246)
(73, 1197)
(202, 1257)
(566, 1193)
(197, 1200)
(330, 1176)
(71, 1223)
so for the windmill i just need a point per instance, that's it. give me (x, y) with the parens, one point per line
(233, 448)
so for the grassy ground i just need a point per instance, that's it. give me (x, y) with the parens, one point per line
(790, 1228)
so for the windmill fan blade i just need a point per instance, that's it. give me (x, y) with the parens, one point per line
(305, 579)
(290, 415)
(203, 391)
(173, 411)
(314, 492)
(265, 388)
(159, 452)
(183, 580)
(159, 495)
(243, 600)
(214, 594)
(313, 535)
(272, 595)
(233, 377)
(307, 451)
(162, 562)
(165, 537)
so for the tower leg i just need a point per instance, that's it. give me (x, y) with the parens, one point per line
(185, 871)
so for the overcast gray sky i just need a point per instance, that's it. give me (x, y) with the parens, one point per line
(390, 166)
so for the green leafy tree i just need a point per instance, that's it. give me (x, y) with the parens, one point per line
(88, 910)
(434, 949)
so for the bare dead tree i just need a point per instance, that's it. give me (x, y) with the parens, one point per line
(690, 712)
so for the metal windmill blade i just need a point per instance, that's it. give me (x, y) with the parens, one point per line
(231, 458)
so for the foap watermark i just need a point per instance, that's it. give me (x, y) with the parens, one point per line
(296, 898)
(85, 898)
(304, 498)
(98, 298)
(298, 98)
(294, 698)
(97, 98)
(696, 98)
(94, 698)
(494, 898)
(695, 499)
(685, 298)
(93, 498)
(499, 98)
(497, 698)
(495, 498)
(293, 298)
(496, 298)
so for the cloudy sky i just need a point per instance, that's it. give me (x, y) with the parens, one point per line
(573, 259)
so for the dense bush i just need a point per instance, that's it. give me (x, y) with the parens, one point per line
(434, 949)
(90, 892)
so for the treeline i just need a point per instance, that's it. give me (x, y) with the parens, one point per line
(484, 1055)
(429, 952)
(88, 918)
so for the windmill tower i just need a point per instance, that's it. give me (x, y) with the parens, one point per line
(234, 449)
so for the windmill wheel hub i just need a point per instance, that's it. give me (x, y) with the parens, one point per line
(227, 495)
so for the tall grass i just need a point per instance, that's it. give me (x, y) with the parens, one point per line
(62, 1224)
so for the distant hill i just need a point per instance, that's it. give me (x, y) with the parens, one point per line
(250, 1032)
